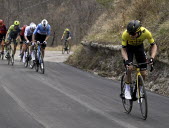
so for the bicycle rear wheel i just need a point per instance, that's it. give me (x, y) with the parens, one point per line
(127, 104)
(142, 98)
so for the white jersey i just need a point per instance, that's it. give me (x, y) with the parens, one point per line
(28, 31)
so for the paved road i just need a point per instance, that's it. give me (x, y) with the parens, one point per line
(66, 97)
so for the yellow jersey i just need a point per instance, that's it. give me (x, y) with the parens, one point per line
(145, 34)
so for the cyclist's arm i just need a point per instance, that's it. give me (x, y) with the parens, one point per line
(63, 35)
(26, 38)
(9, 30)
(124, 44)
(48, 33)
(152, 43)
(46, 38)
(26, 33)
(124, 53)
(33, 37)
(153, 50)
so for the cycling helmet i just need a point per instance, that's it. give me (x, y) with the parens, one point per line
(1, 22)
(16, 22)
(67, 30)
(133, 27)
(44, 23)
(32, 25)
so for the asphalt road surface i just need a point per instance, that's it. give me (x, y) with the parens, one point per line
(66, 97)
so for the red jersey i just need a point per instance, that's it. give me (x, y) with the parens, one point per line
(22, 30)
(3, 29)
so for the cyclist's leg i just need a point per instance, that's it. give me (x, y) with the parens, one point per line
(2, 37)
(14, 45)
(24, 48)
(41, 39)
(21, 43)
(128, 79)
(43, 49)
(7, 42)
(130, 54)
(2, 46)
(141, 58)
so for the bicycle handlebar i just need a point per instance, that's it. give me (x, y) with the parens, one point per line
(139, 64)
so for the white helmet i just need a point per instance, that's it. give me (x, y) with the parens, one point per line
(44, 23)
(32, 26)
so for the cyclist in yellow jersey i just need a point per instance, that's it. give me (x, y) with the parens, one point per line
(67, 36)
(12, 34)
(132, 45)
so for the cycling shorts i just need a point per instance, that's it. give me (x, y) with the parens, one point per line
(22, 39)
(139, 53)
(41, 39)
(11, 39)
(2, 37)
(29, 38)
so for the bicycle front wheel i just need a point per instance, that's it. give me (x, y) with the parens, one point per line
(12, 59)
(27, 56)
(41, 64)
(142, 98)
(127, 104)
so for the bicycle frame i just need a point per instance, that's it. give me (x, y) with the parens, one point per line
(137, 75)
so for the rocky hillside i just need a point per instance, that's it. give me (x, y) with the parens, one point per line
(78, 15)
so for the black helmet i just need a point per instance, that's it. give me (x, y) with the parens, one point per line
(133, 27)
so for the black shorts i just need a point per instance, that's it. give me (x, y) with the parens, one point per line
(41, 39)
(139, 53)
(2, 37)
(29, 38)
(22, 39)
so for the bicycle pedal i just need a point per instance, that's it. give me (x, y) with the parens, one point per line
(134, 99)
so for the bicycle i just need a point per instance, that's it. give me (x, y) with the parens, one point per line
(137, 90)
(9, 54)
(66, 47)
(38, 63)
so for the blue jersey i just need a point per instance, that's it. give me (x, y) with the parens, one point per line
(41, 30)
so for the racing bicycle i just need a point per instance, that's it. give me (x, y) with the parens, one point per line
(138, 91)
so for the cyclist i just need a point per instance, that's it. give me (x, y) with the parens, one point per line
(12, 34)
(28, 37)
(3, 31)
(67, 35)
(132, 45)
(22, 39)
(41, 34)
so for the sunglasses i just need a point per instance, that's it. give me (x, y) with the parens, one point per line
(132, 33)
